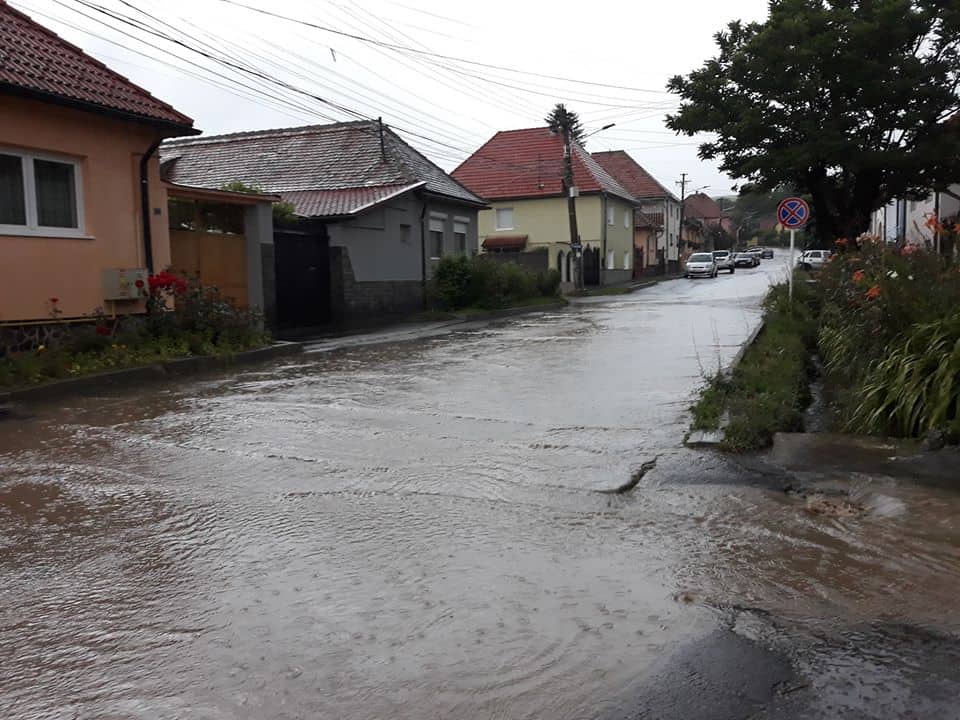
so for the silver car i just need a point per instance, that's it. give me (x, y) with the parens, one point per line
(724, 259)
(701, 265)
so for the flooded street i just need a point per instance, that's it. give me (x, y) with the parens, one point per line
(420, 529)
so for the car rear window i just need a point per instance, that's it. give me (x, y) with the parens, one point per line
(701, 257)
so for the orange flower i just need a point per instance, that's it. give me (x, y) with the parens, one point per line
(859, 276)
(873, 293)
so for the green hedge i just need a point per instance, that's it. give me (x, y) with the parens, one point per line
(460, 282)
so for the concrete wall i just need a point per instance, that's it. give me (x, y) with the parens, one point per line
(33, 269)
(357, 303)
(384, 244)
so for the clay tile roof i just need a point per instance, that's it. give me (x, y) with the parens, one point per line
(702, 206)
(647, 219)
(37, 61)
(631, 175)
(324, 170)
(529, 163)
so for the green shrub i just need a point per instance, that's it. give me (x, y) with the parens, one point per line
(460, 282)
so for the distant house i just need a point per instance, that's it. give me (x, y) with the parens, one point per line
(647, 231)
(83, 212)
(373, 216)
(520, 174)
(908, 221)
(655, 201)
(703, 216)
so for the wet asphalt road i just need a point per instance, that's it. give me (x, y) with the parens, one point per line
(415, 528)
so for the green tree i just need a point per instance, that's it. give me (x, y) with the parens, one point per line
(560, 118)
(846, 100)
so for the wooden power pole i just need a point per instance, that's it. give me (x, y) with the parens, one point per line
(683, 196)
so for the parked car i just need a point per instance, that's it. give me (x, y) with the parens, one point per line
(701, 265)
(767, 254)
(813, 259)
(756, 251)
(724, 260)
(743, 259)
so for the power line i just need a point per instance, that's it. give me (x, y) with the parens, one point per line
(440, 56)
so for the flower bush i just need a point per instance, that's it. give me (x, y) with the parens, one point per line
(890, 318)
(184, 318)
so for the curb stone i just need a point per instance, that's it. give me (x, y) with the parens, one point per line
(145, 373)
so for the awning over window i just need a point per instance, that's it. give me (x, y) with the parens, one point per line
(505, 242)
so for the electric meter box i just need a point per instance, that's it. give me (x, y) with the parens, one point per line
(125, 284)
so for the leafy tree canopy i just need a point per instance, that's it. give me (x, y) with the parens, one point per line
(560, 118)
(848, 101)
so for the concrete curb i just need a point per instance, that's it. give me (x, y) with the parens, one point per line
(146, 373)
(713, 438)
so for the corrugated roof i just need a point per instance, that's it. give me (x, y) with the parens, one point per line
(631, 175)
(528, 163)
(322, 169)
(37, 60)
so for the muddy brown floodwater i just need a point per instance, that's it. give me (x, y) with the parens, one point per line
(417, 529)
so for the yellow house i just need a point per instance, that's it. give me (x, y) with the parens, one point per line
(520, 174)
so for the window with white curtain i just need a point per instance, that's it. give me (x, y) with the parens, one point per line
(611, 261)
(39, 195)
(626, 219)
(610, 219)
(626, 260)
(504, 218)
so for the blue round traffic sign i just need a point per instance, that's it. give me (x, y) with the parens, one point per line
(793, 213)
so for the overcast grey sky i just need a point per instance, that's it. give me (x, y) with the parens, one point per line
(445, 108)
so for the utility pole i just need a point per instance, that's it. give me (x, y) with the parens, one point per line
(575, 246)
(683, 196)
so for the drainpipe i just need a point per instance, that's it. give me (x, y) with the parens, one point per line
(145, 206)
(603, 241)
(423, 254)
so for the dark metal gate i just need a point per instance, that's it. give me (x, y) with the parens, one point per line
(591, 266)
(302, 268)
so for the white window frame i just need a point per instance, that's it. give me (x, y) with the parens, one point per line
(32, 228)
(496, 218)
(627, 258)
(626, 218)
(611, 216)
(611, 260)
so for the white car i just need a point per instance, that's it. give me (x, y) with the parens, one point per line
(813, 259)
(724, 260)
(701, 265)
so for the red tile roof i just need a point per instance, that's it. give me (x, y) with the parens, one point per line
(529, 163)
(36, 60)
(702, 206)
(629, 174)
(504, 242)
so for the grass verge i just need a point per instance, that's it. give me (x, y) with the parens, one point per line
(768, 390)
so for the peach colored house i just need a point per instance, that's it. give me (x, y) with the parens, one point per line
(80, 193)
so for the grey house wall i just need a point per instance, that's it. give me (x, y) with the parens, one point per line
(377, 259)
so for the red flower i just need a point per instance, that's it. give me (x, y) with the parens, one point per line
(54, 300)
(166, 281)
(138, 284)
(873, 293)
(859, 276)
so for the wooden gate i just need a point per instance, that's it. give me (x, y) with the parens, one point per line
(302, 269)
(591, 266)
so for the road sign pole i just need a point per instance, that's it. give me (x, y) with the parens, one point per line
(793, 235)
